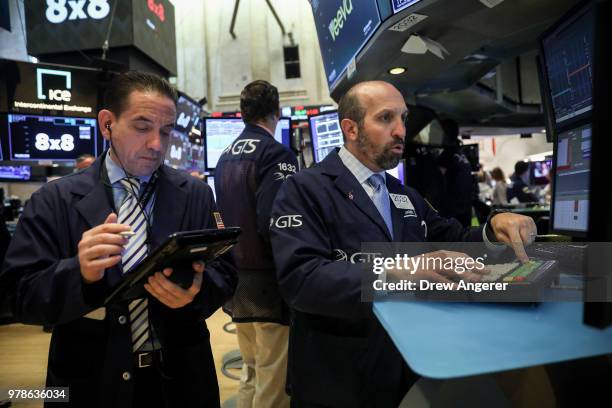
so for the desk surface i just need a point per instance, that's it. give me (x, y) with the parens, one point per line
(448, 340)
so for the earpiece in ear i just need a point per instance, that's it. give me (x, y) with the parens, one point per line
(108, 125)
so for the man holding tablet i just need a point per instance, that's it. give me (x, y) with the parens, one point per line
(80, 234)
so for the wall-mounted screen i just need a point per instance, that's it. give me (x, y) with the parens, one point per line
(567, 56)
(15, 173)
(188, 115)
(343, 28)
(33, 137)
(183, 153)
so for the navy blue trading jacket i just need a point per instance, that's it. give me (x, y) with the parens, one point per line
(248, 175)
(339, 354)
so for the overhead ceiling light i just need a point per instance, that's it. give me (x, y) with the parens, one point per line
(397, 70)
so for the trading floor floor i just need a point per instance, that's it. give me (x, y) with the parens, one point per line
(23, 356)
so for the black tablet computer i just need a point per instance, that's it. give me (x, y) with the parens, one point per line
(180, 249)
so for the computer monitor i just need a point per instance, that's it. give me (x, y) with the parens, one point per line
(34, 137)
(571, 193)
(15, 173)
(218, 134)
(221, 132)
(184, 153)
(325, 134)
(539, 172)
(188, 114)
(566, 52)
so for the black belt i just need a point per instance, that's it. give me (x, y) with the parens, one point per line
(147, 358)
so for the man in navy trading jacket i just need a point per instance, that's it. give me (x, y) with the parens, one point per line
(339, 354)
(247, 178)
(68, 251)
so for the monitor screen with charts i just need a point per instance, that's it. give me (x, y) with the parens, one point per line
(570, 210)
(567, 56)
(325, 134)
(221, 132)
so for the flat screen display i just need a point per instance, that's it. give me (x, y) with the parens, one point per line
(343, 28)
(183, 153)
(325, 134)
(568, 66)
(571, 180)
(188, 115)
(33, 137)
(22, 173)
(540, 172)
(221, 132)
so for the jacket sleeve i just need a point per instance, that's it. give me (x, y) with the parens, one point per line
(47, 286)
(309, 279)
(277, 165)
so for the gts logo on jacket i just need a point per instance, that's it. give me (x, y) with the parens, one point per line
(286, 221)
(357, 257)
(246, 146)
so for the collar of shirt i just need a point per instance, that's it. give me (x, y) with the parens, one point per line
(116, 173)
(361, 172)
(265, 128)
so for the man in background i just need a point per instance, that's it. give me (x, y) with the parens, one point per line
(248, 175)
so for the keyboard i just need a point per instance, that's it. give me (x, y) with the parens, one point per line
(530, 272)
(570, 256)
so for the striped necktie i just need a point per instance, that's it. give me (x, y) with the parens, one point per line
(381, 199)
(132, 213)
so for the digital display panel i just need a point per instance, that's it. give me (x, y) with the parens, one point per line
(188, 115)
(64, 26)
(221, 132)
(571, 180)
(568, 66)
(183, 153)
(33, 137)
(22, 173)
(325, 134)
(46, 89)
(343, 28)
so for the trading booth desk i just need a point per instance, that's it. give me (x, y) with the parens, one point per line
(444, 340)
